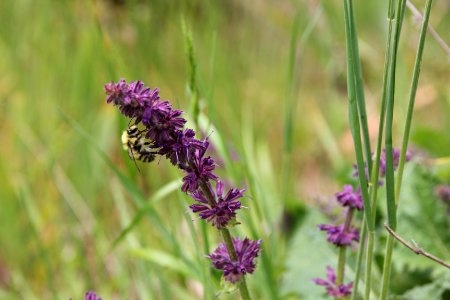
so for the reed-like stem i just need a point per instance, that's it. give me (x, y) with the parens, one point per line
(396, 192)
(359, 85)
(356, 108)
(359, 259)
(390, 184)
(342, 249)
(412, 98)
(354, 119)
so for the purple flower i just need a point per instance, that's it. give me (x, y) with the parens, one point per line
(337, 235)
(132, 99)
(396, 158)
(162, 121)
(183, 147)
(443, 192)
(334, 290)
(200, 170)
(224, 210)
(91, 296)
(349, 198)
(366, 172)
(246, 252)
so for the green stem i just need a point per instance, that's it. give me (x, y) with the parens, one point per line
(369, 258)
(387, 267)
(354, 119)
(390, 184)
(412, 98)
(359, 259)
(407, 128)
(228, 241)
(360, 98)
(341, 265)
(231, 251)
(342, 249)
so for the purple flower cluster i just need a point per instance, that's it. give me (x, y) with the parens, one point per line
(343, 235)
(164, 128)
(246, 252)
(225, 209)
(349, 198)
(339, 235)
(396, 159)
(91, 296)
(334, 290)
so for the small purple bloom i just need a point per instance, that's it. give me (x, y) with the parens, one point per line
(337, 236)
(91, 296)
(183, 146)
(223, 211)
(443, 192)
(396, 159)
(132, 99)
(349, 198)
(162, 121)
(246, 252)
(366, 172)
(334, 290)
(200, 170)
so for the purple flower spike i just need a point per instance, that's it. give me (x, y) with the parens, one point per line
(337, 236)
(201, 170)
(132, 99)
(333, 290)
(225, 209)
(183, 146)
(246, 252)
(349, 198)
(91, 296)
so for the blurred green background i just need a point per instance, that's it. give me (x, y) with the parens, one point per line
(68, 191)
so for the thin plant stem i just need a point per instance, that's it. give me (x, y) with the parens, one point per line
(390, 184)
(433, 32)
(416, 249)
(342, 249)
(375, 174)
(354, 120)
(192, 64)
(359, 85)
(341, 265)
(413, 89)
(359, 259)
(369, 258)
(228, 241)
(412, 98)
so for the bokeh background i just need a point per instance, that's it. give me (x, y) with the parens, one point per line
(77, 215)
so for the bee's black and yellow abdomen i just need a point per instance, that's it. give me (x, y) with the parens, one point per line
(138, 147)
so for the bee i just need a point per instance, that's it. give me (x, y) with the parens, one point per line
(138, 147)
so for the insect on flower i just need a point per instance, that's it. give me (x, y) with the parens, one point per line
(138, 147)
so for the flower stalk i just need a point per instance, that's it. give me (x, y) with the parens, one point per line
(164, 135)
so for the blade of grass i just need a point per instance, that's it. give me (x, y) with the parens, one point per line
(192, 65)
(160, 194)
(390, 184)
(407, 127)
(376, 168)
(359, 84)
(355, 110)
